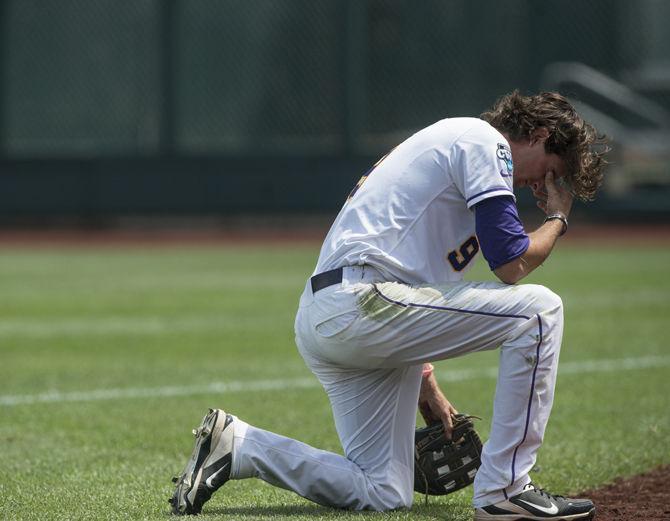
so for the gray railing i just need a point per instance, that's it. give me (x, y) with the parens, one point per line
(639, 127)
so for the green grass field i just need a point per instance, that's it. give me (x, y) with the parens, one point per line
(109, 357)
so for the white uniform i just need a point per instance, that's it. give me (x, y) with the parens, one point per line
(413, 209)
(405, 238)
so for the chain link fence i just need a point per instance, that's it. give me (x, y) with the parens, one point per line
(227, 105)
(144, 77)
(255, 75)
(80, 77)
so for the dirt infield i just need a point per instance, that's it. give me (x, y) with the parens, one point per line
(644, 497)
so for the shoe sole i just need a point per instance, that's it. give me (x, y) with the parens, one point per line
(207, 437)
(484, 516)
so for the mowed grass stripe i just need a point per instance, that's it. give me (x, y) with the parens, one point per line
(569, 368)
(124, 326)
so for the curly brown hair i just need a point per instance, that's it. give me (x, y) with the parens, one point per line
(570, 137)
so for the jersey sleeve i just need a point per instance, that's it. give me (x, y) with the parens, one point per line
(499, 231)
(483, 165)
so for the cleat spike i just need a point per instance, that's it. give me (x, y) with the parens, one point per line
(194, 432)
(175, 479)
(211, 411)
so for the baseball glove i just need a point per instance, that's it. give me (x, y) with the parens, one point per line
(443, 466)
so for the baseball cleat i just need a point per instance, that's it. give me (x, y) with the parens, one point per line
(209, 466)
(535, 504)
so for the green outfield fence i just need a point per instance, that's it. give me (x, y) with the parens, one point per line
(116, 107)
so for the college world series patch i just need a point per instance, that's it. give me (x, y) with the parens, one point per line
(505, 155)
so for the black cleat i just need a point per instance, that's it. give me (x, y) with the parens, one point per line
(209, 466)
(535, 504)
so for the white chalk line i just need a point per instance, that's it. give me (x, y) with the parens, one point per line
(567, 368)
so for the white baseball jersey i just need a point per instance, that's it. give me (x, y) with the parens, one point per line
(404, 239)
(410, 216)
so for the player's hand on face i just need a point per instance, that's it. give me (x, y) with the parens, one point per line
(558, 198)
(540, 193)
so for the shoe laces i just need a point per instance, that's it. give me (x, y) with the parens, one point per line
(543, 492)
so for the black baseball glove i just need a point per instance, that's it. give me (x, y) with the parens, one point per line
(443, 466)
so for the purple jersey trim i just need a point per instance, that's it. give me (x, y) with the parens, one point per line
(445, 308)
(496, 189)
(499, 231)
(530, 401)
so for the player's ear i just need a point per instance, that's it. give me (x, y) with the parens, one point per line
(539, 134)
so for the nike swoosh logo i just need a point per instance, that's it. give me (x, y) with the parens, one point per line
(551, 511)
(210, 479)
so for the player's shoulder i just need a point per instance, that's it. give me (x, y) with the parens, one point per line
(475, 129)
(466, 133)
(455, 137)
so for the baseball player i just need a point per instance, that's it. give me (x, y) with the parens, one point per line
(387, 298)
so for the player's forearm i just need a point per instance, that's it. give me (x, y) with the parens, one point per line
(541, 243)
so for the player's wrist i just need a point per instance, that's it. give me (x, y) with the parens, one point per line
(560, 217)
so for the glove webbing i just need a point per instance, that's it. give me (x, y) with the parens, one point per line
(461, 427)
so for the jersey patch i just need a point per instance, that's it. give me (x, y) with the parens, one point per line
(504, 154)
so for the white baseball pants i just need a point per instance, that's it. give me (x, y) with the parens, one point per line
(366, 340)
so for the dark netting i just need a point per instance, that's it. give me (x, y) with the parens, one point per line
(81, 77)
(644, 46)
(433, 59)
(296, 76)
(258, 75)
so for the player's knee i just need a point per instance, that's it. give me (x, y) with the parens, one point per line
(391, 494)
(543, 299)
(391, 498)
